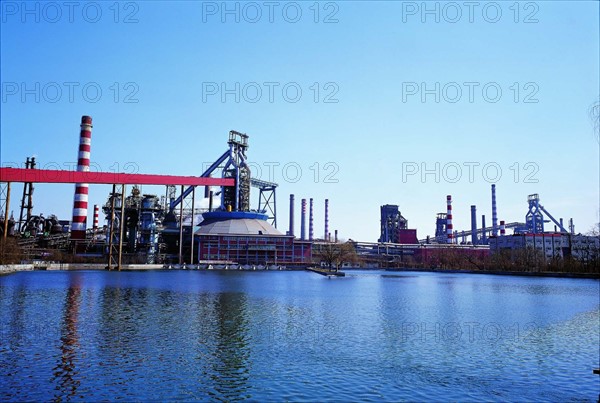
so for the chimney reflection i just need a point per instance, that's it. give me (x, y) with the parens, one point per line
(65, 372)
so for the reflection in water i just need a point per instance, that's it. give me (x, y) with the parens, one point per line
(15, 338)
(123, 317)
(13, 328)
(65, 372)
(230, 370)
(201, 336)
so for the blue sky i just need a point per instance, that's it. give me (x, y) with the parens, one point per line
(367, 119)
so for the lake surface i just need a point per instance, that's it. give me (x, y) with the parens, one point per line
(297, 336)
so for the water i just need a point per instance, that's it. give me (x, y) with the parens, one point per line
(297, 336)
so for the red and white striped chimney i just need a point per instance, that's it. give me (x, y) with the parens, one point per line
(449, 231)
(96, 213)
(502, 228)
(80, 203)
(303, 221)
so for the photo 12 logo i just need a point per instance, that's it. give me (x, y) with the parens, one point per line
(469, 92)
(291, 172)
(69, 92)
(454, 172)
(53, 12)
(470, 332)
(269, 11)
(452, 12)
(270, 92)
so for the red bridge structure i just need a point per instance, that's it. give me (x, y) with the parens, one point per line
(119, 182)
(23, 175)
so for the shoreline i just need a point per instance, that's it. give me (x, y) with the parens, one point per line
(53, 266)
(593, 276)
(15, 268)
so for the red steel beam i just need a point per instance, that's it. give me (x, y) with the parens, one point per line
(105, 178)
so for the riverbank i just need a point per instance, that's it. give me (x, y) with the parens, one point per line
(595, 276)
(47, 266)
(13, 268)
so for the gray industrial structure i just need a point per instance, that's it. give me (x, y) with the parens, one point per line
(391, 221)
(440, 228)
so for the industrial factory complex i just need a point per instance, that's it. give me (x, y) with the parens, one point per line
(171, 228)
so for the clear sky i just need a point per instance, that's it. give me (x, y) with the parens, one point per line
(374, 102)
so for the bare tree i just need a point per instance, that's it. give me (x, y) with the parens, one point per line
(335, 254)
(594, 230)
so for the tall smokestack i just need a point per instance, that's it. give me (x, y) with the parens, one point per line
(310, 221)
(474, 225)
(494, 212)
(449, 232)
(502, 228)
(80, 203)
(336, 236)
(96, 213)
(327, 237)
(483, 234)
(291, 232)
(571, 226)
(303, 221)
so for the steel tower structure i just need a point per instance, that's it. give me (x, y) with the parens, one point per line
(236, 167)
(534, 219)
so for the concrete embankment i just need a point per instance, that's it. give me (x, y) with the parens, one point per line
(13, 268)
(6, 269)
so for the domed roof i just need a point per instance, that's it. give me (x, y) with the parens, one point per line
(236, 223)
(240, 226)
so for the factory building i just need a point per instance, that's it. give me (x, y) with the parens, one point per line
(247, 238)
(584, 247)
(551, 245)
(389, 254)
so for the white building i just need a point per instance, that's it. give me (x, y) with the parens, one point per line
(558, 245)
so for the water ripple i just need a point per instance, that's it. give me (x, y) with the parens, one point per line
(294, 336)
